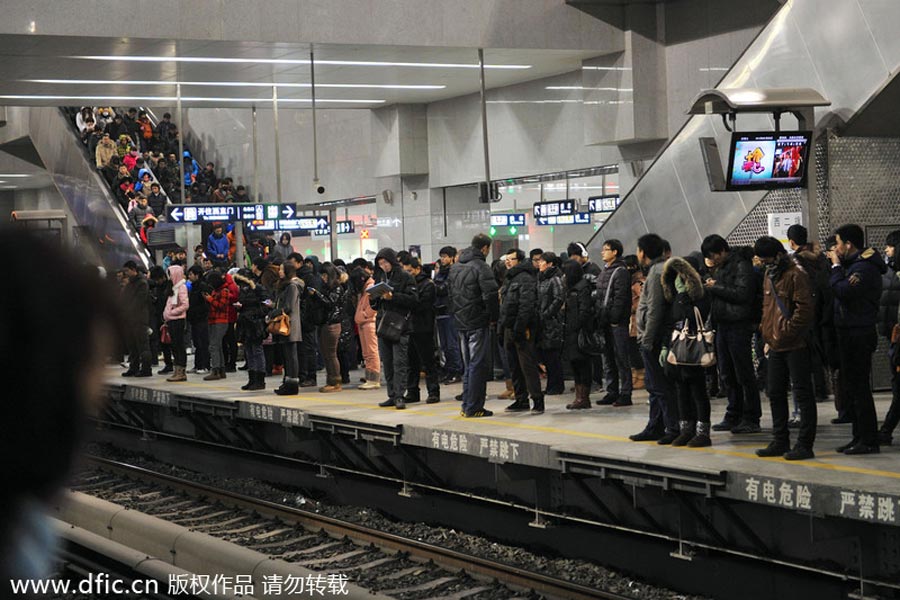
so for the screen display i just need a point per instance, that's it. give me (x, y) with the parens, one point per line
(768, 160)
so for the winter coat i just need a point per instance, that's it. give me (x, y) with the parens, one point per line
(177, 304)
(592, 269)
(364, 311)
(405, 295)
(890, 300)
(219, 302)
(790, 283)
(234, 292)
(198, 309)
(157, 202)
(216, 246)
(651, 310)
(551, 297)
(137, 215)
(637, 286)
(442, 291)
(818, 269)
(251, 322)
(333, 300)
(856, 284)
(734, 296)
(423, 315)
(682, 304)
(474, 302)
(136, 302)
(314, 313)
(289, 302)
(282, 251)
(578, 317)
(617, 309)
(518, 300)
(106, 149)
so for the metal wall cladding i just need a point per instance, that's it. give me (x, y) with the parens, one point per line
(858, 182)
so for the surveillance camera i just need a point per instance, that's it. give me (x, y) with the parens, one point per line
(320, 189)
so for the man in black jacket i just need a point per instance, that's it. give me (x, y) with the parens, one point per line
(517, 325)
(578, 252)
(136, 305)
(312, 315)
(856, 282)
(197, 316)
(421, 348)
(614, 313)
(396, 304)
(474, 305)
(887, 321)
(446, 326)
(157, 201)
(734, 290)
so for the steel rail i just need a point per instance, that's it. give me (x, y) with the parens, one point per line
(450, 559)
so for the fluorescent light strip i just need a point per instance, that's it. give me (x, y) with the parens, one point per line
(287, 61)
(579, 87)
(190, 99)
(11, 175)
(239, 84)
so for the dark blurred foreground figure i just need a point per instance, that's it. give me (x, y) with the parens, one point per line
(71, 312)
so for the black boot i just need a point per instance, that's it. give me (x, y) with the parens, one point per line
(538, 405)
(290, 387)
(686, 434)
(251, 379)
(259, 382)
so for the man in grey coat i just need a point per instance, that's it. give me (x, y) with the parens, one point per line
(651, 316)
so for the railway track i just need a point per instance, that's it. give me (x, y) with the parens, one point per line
(386, 563)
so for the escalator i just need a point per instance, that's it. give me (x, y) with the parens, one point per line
(847, 51)
(96, 212)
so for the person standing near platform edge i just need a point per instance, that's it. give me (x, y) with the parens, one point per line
(856, 283)
(174, 316)
(447, 334)
(788, 314)
(887, 324)
(613, 313)
(474, 304)
(400, 301)
(733, 291)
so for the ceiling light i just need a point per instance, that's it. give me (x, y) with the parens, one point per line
(11, 175)
(288, 61)
(191, 99)
(589, 68)
(239, 84)
(579, 87)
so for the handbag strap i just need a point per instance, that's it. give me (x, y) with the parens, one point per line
(609, 286)
(781, 307)
(701, 328)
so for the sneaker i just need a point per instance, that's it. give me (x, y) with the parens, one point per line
(200, 371)
(478, 414)
(667, 438)
(432, 400)
(518, 406)
(746, 428)
(773, 449)
(794, 422)
(399, 404)
(452, 379)
(799, 452)
(387, 403)
(459, 397)
(861, 448)
(846, 446)
(724, 425)
(607, 400)
(308, 383)
(166, 370)
(369, 385)
(622, 401)
(411, 399)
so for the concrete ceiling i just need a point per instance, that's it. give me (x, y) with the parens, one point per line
(19, 174)
(33, 67)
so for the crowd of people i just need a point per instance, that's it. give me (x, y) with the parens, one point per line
(139, 162)
(728, 321)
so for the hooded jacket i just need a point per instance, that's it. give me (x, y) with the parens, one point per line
(177, 304)
(136, 301)
(405, 296)
(735, 295)
(474, 302)
(289, 295)
(233, 292)
(618, 309)
(817, 268)
(269, 278)
(333, 300)
(518, 300)
(856, 284)
(282, 251)
(198, 309)
(789, 283)
(578, 316)
(551, 297)
(683, 303)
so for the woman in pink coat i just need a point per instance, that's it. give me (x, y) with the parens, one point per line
(365, 322)
(174, 315)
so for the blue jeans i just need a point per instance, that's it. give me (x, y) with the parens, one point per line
(256, 360)
(663, 403)
(474, 345)
(449, 339)
(735, 358)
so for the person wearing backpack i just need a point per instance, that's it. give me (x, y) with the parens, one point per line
(788, 314)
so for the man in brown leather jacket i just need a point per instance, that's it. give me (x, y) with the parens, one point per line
(788, 313)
